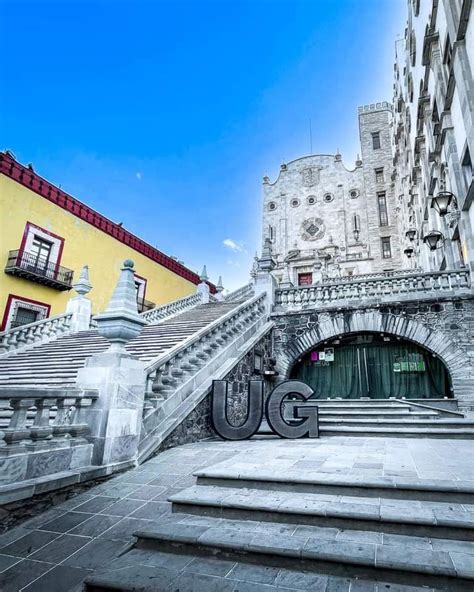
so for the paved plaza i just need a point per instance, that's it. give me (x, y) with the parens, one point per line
(91, 533)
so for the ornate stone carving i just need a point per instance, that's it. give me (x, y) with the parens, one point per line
(310, 176)
(312, 229)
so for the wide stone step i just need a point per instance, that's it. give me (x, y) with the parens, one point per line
(151, 570)
(375, 414)
(409, 422)
(311, 550)
(399, 432)
(432, 519)
(313, 481)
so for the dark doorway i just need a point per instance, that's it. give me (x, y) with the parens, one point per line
(375, 366)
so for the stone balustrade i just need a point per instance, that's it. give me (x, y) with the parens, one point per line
(242, 293)
(165, 373)
(384, 288)
(155, 315)
(25, 335)
(42, 419)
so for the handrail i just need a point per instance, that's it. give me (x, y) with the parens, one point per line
(167, 356)
(372, 278)
(166, 310)
(240, 292)
(34, 332)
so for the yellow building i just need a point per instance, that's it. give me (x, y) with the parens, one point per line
(47, 236)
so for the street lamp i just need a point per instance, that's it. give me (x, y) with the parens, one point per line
(409, 252)
(410, 234)
(434, 239)
(442, 201)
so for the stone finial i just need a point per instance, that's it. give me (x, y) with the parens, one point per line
(266, 180)
(338, 156)
(283, 167)
(266, 262)
(203, 287)
(358, 161)
(219, 290)
(285, 280)
(204, 277)
(120, 322)
(83, 285)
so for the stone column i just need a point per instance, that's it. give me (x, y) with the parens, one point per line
(115, 417)
(203, 287)
(80, 306)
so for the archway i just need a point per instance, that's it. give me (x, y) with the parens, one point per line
(374, 365)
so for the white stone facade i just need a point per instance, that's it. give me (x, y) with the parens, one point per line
(434, 131)
(325, 220)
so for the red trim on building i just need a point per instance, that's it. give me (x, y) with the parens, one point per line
(10, 299)
(28, 178)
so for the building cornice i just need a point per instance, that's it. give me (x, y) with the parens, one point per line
(32, 181)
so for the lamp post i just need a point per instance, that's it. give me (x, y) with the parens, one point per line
(409, 252)
(410, 234)
(434, 240)
(443, 201)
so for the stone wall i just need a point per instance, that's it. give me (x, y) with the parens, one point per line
(197, 426)
(444, 327)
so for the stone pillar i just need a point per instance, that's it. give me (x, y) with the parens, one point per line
(80, 306)
(115, 417)
(220, 289)
(203, 287)
(264, 279)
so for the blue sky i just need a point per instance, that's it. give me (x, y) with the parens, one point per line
(165, 115)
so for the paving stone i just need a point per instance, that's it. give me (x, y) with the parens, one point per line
(191, 582)
(248, 572)
(124, 528)
(28, 544)
(360, 536)
(95, 554)
(96, 504)
(21, 574)
(302, 580)
(95, 526)
(66, 522)
(124, 507)
(59, 549)
(151, 510)
(209, 566)
(407, 541)
(7, 561)
(360, 553)
(61, 578)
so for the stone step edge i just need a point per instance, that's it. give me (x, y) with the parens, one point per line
(356, 487)
(185, 499)
(27, 489)
(173, 540)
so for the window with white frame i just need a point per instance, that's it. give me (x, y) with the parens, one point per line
(23, 312)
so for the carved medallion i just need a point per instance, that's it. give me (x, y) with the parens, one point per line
(310, 176)
(312, 229)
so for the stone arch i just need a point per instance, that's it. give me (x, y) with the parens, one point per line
(375, 321)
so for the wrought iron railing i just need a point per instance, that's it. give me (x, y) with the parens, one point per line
(29, 266)
(145, 305)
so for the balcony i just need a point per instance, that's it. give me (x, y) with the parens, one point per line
(27, 266)
(375, 289)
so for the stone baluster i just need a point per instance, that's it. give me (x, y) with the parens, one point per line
(61, 425)
(17, 434)
(41, 431)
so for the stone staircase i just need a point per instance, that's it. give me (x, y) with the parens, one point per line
(375, 533)
(57, 362)
(382, 417)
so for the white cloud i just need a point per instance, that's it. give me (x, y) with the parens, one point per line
(138, 175)
(233, 245)
(233, 263)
